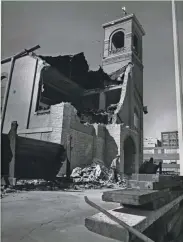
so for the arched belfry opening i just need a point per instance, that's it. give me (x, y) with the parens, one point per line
(118, 40)
(129, 156)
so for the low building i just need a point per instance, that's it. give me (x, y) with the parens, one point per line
(168, 155)
(152, 142)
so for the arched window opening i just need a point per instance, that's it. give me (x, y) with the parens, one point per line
(118, 40)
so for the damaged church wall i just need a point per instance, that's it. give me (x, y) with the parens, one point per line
(46, 126)
(86, 141)
(19, 100)
(78, 137)
(81, 148)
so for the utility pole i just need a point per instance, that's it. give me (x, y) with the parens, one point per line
(178, 86)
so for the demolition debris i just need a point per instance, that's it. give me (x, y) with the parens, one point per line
(95, 176)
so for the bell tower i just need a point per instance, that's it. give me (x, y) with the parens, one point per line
(122, 43)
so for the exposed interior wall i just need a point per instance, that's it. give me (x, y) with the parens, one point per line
(91, 101)
(112, 97)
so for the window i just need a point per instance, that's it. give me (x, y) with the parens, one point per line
(150, 151)
(118, 40)
(136, 119)
(165, 136)
(135, 43)
(170, 151)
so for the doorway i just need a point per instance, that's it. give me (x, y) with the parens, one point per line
(129, 156)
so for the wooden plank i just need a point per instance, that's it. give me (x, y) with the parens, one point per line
(120, 222)
(137, 218)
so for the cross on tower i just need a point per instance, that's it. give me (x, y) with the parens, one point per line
(124, 10)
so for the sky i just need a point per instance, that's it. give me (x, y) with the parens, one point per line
(73, 27)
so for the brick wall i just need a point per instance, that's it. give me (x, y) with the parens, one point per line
(82, 137)
(46, 126)
(82, 149)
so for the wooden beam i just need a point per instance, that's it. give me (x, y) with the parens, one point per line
(21, 54)
(13, 145)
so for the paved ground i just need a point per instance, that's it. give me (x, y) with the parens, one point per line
(49, 216)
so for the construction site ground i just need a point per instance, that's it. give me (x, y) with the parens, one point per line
(46, 216)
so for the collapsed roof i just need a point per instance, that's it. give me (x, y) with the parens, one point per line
(76, 68)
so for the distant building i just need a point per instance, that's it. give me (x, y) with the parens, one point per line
(152, 142)
(170, 139)
(168, 155)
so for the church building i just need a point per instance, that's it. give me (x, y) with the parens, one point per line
(98, 114)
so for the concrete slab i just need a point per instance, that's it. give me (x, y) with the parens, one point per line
(131, 196)
(139, 219)
(159, 202)
(155, 177)
(146, 199)
(153, 185)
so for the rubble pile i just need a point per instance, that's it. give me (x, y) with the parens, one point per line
(95, 176)
(6, 190)
(35, 185)
(41, 185)
(94, 116)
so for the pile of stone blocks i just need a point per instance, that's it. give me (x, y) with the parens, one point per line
(153, 204)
